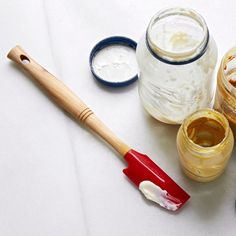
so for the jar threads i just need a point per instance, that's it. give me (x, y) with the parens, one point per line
(179, 58)
(205, 143)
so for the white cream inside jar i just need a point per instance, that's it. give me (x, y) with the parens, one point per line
(184, 36)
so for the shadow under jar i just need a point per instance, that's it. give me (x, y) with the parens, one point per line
(205, 143)
(225, 100)
(176, 58)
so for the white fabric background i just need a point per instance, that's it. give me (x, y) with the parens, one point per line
(56, 178)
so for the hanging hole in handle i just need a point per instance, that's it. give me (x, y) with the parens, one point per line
(24, 59)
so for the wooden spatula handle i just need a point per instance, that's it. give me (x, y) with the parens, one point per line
(64, 97)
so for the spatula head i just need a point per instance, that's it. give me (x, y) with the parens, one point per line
(142, 168)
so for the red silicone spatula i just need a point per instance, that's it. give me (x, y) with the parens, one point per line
(142, 171)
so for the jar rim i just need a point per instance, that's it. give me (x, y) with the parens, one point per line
(208, 113)
(178, 57)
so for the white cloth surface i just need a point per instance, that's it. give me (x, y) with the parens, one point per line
(56, 178)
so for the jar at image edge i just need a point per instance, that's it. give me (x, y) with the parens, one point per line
(205, 143)
(225, 99)
(176, 58)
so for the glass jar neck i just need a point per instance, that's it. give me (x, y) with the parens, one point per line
(177, 36)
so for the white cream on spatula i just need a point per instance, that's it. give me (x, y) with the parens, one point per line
(154, 193)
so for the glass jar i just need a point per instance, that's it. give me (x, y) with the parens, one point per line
(225, 100)
(176, 58)
(205, 143)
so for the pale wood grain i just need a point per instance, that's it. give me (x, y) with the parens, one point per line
(64, 97)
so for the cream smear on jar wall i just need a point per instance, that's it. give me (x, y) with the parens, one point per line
(171, 85)
(178, 34)
(115, 63)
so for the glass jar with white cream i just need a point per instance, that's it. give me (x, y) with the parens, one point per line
(176, 58)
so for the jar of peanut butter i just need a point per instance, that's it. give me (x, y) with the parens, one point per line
(205, 143)
(225, 100)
